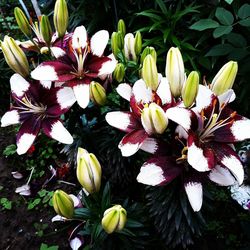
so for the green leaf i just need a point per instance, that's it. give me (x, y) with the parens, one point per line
(229, 1)
(204, 24)
(46, 247)
(162, 7)
(9, 150)
(244, 11)
(236, 39)
(238, 54)
(222, 30)
(224, 16)
(245, 22)
(220, 50)
(133, 223)
(148, 13)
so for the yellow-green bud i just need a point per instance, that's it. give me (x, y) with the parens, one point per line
(114, 219)
(45, 29)
(14, 56)
(190, 89)
(88, 171)
(138, 43)
(129, 47)
(175, 71)
(97, 93)
(61, 17)
(148, 51)
(119, 72)
(121, 27)
(117, 43)
(149, 72)
(154, 119)
(22, 21)
(63, 204)
(224, 79)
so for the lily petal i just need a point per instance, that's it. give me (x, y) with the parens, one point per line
(124, 90)
(82, 95)
(99, 42)
(75, 243)
(141, 92)
(79, 38)
(10, 118)
(163, 91)
(194, 194)
(204, 98)
(18, 85)
(132, 142)
(221, 176)
(65, 97)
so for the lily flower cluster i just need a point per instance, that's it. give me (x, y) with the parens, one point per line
(195, 119)
(40, 98)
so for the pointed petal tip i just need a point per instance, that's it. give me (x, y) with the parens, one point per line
(194, 194)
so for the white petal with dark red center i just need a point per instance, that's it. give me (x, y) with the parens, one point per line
(99, 42)
(46, 84)
(24, 143)
(18, 85)
(65, 97)
(227, 97)
(81, 92)
(141, 92)
(221, 176)
(235, 166)
(241, 129)
(181, 116)
(204, 97)
(196, 158)
(57, 52)
(9, 118)
(118, 119)
(75, 243)
(163, 91)
(107, 68)
(150, 174)
(194, 194)
(60, 133)
(182, 133)
(150, 145)
(79, 38)
(44, 72)
(129, 149)
(124, 90)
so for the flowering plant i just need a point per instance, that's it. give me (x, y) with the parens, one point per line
(186, 129)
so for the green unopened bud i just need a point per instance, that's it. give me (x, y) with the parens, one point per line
(14, 56)
(190, 89)
(61, 17)
(224, 79)
(149, 72)
(138, 43)
(154, 119)
(129, 47)
(148, 51)
(97, 93)
(114, 219)
(45, 29)
(22, 21)
(119, 72)
(88, 171)
(63, 204)
(117, 43)
(121, 27)
(175, 71)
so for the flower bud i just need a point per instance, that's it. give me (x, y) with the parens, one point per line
(148, 51)
(61, 17)
(114, 219)
(138, 43)
(88, 171)
(63, 204)
(97, 93)
(121, 27)
(129, 47)
(190, 89)
(154, 119)
(224, 79)
(22, 22)
(14, 56)
(45, 29)
(117, 42)
(175, 71)
(149, 72)
(119, 72)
